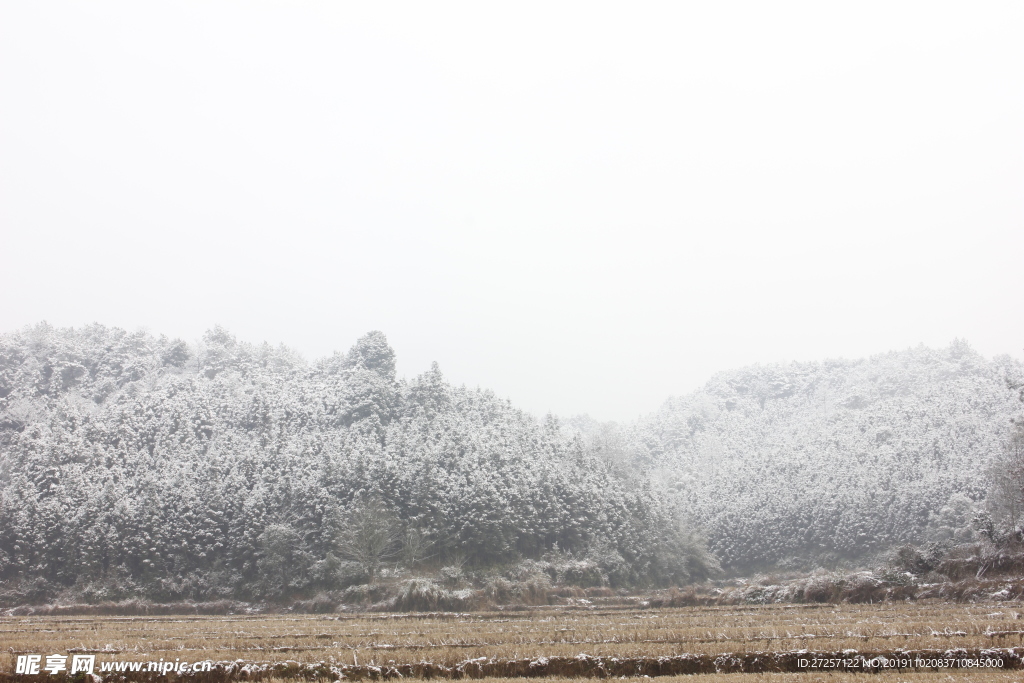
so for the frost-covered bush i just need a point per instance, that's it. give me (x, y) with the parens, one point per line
(423, 595)
(614, 569)
(321, 603)
(363, 594)
(528, 569)
(500, 590)
(583, 573)
(528, 588)
(451, 575)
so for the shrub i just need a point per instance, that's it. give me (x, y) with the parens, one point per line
(322, 603)
(862, 587)
(823, 587)
(423, 595)
(500, 590)
(581, 573)
(363, 594)
(452, 575)
(907, 558)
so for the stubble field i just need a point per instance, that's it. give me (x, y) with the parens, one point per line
(476, 645)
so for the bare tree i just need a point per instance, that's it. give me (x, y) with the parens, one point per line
(415, 546)
(371, 536)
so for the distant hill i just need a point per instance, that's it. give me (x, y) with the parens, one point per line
(815, 463)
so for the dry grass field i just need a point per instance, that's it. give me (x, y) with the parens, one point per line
(841, 677)
(391, 640)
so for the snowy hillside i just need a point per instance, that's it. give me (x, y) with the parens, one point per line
(134, 464)
(237, 470)
(809, 463)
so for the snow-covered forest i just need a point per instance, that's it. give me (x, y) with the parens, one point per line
(807, 464)
(225, 469)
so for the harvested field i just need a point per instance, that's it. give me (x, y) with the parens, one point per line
(626, 641)
(887, 677)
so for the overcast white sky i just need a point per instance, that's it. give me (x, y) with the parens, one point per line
(586, 207)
